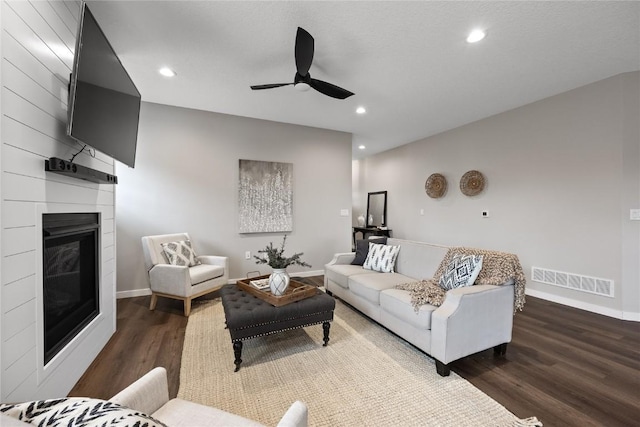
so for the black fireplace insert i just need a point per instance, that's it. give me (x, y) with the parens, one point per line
(71, 276)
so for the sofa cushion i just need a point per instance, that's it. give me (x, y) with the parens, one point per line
(180, 253)
(203, 272)
(77, 411)
(368, 286)
(381, 258)
(398, 303)
(416, 259)
(340, 273)
(424, 292)
(362, 249)
(461, 271)
(178, 412)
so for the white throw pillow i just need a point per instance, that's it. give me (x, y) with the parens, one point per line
(381, 258)
(78, 411)
(461, 271)
(180, 253)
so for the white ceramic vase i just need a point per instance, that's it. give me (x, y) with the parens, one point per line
(279, 281)
(361, 220)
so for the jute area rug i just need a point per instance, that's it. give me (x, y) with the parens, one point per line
(366, 376)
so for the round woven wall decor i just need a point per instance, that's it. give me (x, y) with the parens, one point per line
(472, 183)
(436, 186)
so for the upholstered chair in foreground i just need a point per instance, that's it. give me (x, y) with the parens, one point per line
(144, 403)
(175, 271)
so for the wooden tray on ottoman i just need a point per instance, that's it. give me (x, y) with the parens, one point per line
(295, 292)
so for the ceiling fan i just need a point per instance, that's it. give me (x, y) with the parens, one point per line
(302, 80)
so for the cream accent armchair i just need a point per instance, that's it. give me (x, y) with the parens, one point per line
(150, 395)
(181, 282)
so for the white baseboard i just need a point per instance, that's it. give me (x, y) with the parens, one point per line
(631, 316)
(609, 312)
(133, 293)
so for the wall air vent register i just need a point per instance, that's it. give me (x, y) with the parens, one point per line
(578, 282)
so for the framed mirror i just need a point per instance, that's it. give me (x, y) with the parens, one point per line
(377, 209)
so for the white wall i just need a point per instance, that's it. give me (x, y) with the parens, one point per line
(38, 40)
(186, 179)
(562, 174)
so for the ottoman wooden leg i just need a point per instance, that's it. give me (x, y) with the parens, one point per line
(237, 352)
(325, 329)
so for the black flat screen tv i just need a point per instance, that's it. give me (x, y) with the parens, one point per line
(104, 104)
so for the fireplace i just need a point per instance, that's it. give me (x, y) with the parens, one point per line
(70, 276)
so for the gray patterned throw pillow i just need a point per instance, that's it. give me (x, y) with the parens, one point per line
(461, 271)
(180, 253)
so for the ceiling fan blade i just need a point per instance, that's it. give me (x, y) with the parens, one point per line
(303, 51)
(269, 86)
(329, 89)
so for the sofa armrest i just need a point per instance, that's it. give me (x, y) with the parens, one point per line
(170, 279)
(296, 416)
(342, 258)
(148, 394)
(470, 320)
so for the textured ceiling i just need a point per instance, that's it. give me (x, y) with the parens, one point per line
(407, 62)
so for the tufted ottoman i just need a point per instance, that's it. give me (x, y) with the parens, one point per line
(248, 316)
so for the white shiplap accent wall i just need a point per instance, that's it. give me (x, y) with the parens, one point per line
(38, 41)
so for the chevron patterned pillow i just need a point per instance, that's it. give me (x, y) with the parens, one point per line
(381, 258)
(180, 253)
(77, 412)
(461, 271)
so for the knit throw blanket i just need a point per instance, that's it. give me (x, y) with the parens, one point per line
(497, 268)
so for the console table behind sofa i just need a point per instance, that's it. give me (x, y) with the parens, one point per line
(369, 231)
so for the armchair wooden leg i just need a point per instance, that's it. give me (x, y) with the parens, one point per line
(187, 307)
(154, 301)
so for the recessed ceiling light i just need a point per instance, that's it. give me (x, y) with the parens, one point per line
(362, 147)
(361, 110)
(167, 72)
(476, 36)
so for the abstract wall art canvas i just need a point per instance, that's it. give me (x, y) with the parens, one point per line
(265, 202)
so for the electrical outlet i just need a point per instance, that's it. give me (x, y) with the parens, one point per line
(634, 214)
(344, 212)
(247, 255)
(485, 214)
(421, 211)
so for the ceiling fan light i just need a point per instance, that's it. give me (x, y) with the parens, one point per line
(302, 87)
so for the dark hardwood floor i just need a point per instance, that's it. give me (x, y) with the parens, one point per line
(565, 366)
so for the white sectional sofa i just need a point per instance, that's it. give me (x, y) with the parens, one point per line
(471, 319)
